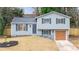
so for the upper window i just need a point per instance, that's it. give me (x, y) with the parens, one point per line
(46, 20)
(21, 27)
(60, 21)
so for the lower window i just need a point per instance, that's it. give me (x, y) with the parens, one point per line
(46, 32)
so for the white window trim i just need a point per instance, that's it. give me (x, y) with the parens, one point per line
(23, 28)
(60, 21)
(43, 19)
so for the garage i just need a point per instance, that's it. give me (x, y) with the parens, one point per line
(60, 35)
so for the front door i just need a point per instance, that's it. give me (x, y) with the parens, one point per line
(34, 29)
(60, 35)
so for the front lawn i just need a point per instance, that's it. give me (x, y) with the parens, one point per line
(31, 43)
(75, 41)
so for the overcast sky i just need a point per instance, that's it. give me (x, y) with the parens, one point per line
(28, 10)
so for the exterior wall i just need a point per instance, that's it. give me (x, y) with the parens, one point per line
(39, 32)
(67, 34)
(14, 32)
(53, 24)
(52, 34)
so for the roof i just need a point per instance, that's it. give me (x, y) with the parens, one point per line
(53, 12)
(31, 17)
(23, 19)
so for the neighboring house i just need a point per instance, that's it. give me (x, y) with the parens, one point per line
(53, 25)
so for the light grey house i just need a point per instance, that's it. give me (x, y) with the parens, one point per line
(53, 25)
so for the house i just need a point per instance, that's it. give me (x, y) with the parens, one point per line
(53, 25)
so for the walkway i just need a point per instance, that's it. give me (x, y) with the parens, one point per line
(65, 45)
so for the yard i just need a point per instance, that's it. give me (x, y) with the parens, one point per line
(31, 43)
(75, 41)
(74, 32)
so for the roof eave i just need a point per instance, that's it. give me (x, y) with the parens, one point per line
(51, 13)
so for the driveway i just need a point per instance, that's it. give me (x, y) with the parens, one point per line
(65, 45)
(31, 43)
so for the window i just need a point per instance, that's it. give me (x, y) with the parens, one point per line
(21, 27)
(60, 21)
(47, 20)
(46, 32)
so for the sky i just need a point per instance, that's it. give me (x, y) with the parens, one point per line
(28, 10)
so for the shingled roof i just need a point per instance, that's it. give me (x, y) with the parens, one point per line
(23, 19)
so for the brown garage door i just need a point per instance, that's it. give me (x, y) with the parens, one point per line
(60, 35)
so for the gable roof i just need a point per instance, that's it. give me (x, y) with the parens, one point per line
(23, 19)
(53, 12)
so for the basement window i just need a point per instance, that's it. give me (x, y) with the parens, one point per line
(46, 32)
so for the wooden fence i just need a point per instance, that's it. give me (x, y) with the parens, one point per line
(7, 30)
(74, 31)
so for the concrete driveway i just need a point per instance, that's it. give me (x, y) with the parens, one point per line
(65, 45)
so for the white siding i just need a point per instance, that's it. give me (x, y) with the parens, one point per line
(52, 34)
(14, 32)
(53, 24)
(46, 26)
(39, 32)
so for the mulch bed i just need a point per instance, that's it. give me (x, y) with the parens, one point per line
(9, 44)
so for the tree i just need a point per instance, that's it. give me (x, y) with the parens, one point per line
(8, 13)
(49, 9)
(36, 11)
(18, 12)
(6, 16)
(71, 11)
(1, 25)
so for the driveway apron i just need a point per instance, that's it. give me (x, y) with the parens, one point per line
(65, 45)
